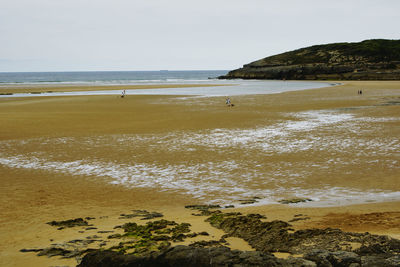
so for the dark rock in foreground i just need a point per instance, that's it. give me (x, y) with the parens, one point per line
(277, 236)
(152, 244)
(368, 60)
(181, 256)
(191, 256)
(318, 247)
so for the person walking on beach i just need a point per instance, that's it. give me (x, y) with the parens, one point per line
(228, 102)
(123, 93)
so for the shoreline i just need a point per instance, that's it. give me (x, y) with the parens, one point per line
(46, 88)
(32, 197)
(242, 88)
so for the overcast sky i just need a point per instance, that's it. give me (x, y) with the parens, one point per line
(74, 35)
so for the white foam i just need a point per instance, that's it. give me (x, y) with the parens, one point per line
(219, 176)
(202, 179)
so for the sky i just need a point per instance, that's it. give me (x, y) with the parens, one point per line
(113, 35)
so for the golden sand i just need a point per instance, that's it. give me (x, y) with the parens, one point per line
(30, 198)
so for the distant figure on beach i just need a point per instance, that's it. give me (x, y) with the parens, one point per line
(228, 102)
(359, 92)
(123, 93)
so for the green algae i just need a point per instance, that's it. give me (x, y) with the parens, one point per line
(152, 236)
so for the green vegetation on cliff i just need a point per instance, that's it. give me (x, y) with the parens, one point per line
(376, 59)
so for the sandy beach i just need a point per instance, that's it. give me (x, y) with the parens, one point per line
(347, 151)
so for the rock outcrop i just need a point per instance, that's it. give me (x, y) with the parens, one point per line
(376, 59)
(277, 236)
(310, 247)
(183, 256)
(187, 256)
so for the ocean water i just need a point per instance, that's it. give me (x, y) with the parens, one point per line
(206, 78)
(108, 77)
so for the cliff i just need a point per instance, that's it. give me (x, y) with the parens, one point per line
(376, 59)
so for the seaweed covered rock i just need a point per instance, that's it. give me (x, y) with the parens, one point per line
(152, 236)
(69, 223)
(203, 209)
(294, 200)
(277, 236)
(263, 236)
(146, 215)
(151, 244)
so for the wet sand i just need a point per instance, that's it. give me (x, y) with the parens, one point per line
(45, 88)
(31, 197)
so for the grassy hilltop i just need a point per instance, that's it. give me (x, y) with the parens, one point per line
(376, 59)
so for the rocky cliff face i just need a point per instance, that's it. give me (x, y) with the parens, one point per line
(368, 60)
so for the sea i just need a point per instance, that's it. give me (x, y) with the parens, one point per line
(208, 78)
(109, 77)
